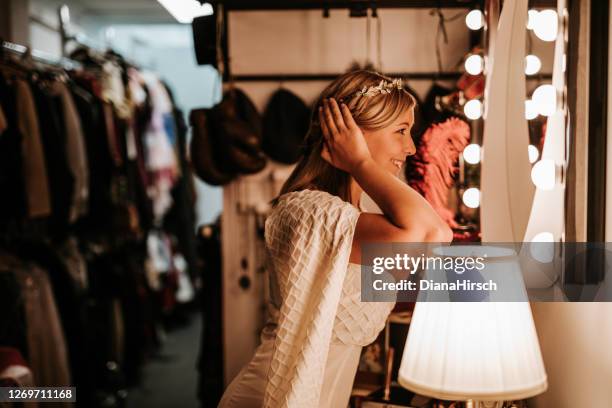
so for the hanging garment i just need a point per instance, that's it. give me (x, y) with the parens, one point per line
(75, 150)
(12, 314)
(473, 86)
(100, 163)
(161, 160)
(111, 134)
(47, 354)
(61, 179)
(71, 257)
(3, 122)
(432, 169)
(34, 163)
(210, 357)
(65, 268)
(113, 89)
(136, 147)
(312, 342)
(13, 205)
(433, 112)
(180, 219)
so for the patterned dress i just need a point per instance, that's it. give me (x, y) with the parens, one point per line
(311, 345)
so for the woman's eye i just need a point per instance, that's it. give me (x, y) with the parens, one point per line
(402, 132)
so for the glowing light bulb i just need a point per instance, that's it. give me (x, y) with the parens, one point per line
(542, 247)
(532, 15)
(473, 109)
(474, 64)
(546, 25)
(545, 98)
(543, 174)
(471, 153)
(531, 110)
(533, 153)
(543, 237)
(471, 197)
(532, 64)
(474, 20)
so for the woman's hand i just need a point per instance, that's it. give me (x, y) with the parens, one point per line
(345, 146)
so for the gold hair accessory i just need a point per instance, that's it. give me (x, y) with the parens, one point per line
(384, 87)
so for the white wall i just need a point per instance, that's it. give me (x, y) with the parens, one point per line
(305, 42)
(576, 341)
(44, 24)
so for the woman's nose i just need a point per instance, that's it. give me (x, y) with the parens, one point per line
(409, 147)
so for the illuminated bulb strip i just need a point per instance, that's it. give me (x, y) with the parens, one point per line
(471, 197)
(531, 19)
(544, 174)
(531, 110)
(533, 153)
(471, 153)
(474, 20)
(546, 25)
(545, 99)
(474, 64)
(532, 64)
(473, 109)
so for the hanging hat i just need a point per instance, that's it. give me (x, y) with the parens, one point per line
(236, 124)
(226, 139)
(204, 149)
(285, 124)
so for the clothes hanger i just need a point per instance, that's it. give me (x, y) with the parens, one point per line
(440, 30)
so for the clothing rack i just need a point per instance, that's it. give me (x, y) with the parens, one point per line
(40, 56)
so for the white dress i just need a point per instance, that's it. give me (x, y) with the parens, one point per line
(311, 345)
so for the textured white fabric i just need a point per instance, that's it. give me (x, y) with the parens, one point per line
(318, 325)
(308, 237)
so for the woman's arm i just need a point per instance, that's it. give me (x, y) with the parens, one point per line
(402, 205)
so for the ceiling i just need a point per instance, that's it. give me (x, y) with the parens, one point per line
(124, 11)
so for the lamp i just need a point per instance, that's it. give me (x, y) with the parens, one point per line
(473, 351)
(479, 350)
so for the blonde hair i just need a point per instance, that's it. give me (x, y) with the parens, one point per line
(370, 113)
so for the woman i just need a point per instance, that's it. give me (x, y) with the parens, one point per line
(358, 140)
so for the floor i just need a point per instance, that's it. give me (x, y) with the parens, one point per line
(170, 378)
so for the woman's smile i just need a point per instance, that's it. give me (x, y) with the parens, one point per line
(397, 163)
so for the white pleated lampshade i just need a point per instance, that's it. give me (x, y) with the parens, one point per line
(480, 351)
